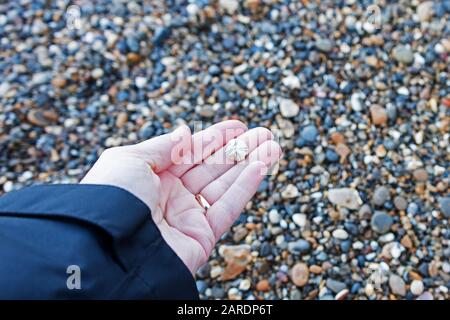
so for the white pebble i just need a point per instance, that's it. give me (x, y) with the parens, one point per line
(340, 234)
(8, 186)
(416, 287)
(140, 82)
(245, 284)
(299, 219)
(291, 82)
(274, 216)
(97, 73)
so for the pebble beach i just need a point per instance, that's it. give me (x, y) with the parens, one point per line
(357, 94)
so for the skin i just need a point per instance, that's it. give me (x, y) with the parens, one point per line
(168, 171)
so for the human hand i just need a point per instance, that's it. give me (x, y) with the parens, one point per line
(168, 171)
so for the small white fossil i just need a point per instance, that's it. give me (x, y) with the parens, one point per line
(236, 150)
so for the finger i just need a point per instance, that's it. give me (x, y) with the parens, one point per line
(207, 141)
(269, 153)
(225, 211)
(183, 212)
(163, 151)
(217, 164)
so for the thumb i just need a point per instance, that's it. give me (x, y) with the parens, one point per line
(163, 151)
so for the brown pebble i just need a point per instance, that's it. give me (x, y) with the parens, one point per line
(380, 151)
(300, 274)
(312, 294)
(133, 57)
(263, 285)
(315, 269)
(406, 242)
(42, 117)
(239, 234)
(433, 269)
(378, 114)
(253, 5)
(342, 150)
(236, 258)
(337, 137)
(446, 102)
(420, 175)
(59, 82)
(372, 61)
(121, 120)
(414, 275)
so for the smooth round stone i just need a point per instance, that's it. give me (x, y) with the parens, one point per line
(97, 73)
(263, 285)
(290, 192)
(420, 175)
(218, 293)
(214, 70)
(204, 271)
(309, 133)
(274, 216)
(391, 111)
(291, 82)
(345, 197)
(234, 294)
(324, 45)
(300, 219)
(356, 102)
(288, 108)
(300, 274)
(299, 246)
(140, 82)
(201, 286)
(295, 295)
(8, 186)
(445, 206)
(161, 34)
(378, 114)
(146, 131)
(413, 208)
(265, 249)
(425, 296)
(332, 156)
(425, 11)
(132, 44)
(335, 285)
(397, 285)
(230, 6)
(192, 9)
(381, 222)
(416, 287)
(400, 203)
(340, 234)
(381, 195)
(403, 54)
(245, 284)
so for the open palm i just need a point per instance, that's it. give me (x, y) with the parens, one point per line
(168, 172)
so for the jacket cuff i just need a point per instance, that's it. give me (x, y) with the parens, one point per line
(150, 264)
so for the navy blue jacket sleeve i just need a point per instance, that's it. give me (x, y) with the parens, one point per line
(85, 242)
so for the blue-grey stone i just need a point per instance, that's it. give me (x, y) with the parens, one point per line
(335, 285)
(309, 134)
(161, 34)
(332, 156)
(381, 222)
(299, 246)
(445, 206)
